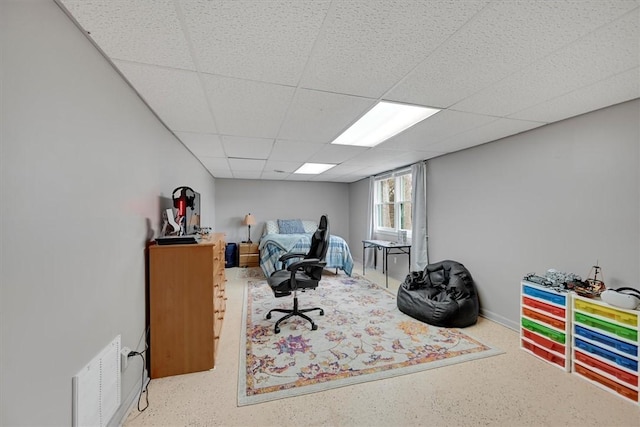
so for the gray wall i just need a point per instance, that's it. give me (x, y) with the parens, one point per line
(270, 200)
(83, 165)
(564, 196)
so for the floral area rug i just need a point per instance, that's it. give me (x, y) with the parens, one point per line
(361, 337)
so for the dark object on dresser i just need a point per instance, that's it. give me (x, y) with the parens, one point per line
(444, 294)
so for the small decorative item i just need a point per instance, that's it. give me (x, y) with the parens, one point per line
(596, 279)
(592, 287)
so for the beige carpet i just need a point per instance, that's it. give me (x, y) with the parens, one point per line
(511, 389)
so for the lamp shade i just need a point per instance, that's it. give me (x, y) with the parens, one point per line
(249, 220)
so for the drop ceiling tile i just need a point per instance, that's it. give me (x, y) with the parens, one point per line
(345, 179)
(408, 158)
(274, 176)
(614, 90)
(484, 52)
(221, 174)
(322, 116)
(371, 170)
(218, 166)
(326, 177)
(273, 166)
(146, 31)
(491, 132)
(202, 144)
(246, 174)
(247, 148)
(175, 95)
(216, 163)
(246, 165)
(374, 156)
(335, 153)
(346, 168)
(299, 177)
(294, 150)
(608, 51)
(365, 46)
(275, 42)
(246, 108)
(434, 129)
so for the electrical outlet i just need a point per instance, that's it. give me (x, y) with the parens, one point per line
(124, 358)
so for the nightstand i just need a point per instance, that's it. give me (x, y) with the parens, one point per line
(249, 255)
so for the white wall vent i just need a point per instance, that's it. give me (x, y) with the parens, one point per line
(96, 388)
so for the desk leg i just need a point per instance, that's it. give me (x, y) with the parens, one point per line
(364, 258)
(409, 260)
(386, 262)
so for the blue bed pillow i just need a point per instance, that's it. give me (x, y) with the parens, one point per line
(290, 226)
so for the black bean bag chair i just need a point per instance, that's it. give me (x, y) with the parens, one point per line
(444, 294)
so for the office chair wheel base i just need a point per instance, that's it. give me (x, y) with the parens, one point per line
(276, 330)
(314, 327)
(269, 316)
(321, 312)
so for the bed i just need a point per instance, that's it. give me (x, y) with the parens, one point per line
(278, 239)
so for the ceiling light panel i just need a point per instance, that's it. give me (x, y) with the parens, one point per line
(313, 168)
(382, 122)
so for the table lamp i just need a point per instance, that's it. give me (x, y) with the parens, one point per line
(249, 220)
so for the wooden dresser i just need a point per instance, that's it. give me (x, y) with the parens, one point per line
(187, 303)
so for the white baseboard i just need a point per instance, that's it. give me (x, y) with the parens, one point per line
(500, 319)
(129, 403)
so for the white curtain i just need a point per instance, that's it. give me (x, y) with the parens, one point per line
(419, 236)
(367, 257)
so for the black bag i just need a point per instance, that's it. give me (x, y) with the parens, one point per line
(231, 255)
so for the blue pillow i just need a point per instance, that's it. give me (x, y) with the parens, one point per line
(290, 226)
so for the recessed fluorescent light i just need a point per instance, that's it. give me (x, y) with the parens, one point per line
(314, 168)
(383, 121)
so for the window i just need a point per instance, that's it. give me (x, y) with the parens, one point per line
(393, 202)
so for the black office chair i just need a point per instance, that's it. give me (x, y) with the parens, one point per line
(301, 275)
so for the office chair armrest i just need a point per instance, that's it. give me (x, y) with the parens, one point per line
(289, 256)
(283, 259)
(309, 262)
